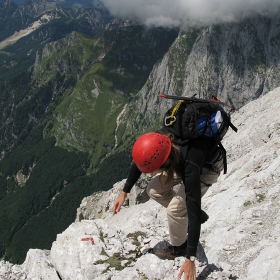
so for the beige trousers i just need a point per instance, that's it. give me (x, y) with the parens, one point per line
(175, 202)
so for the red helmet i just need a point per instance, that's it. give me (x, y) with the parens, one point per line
(150, 151)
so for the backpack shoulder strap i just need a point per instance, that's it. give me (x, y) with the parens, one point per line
(234, 128)
(224, 152)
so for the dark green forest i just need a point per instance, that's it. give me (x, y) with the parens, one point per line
(34, 213)
(47, 80)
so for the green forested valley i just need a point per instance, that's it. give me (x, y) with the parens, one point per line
(62, 88)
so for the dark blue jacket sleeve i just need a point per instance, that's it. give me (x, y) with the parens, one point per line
(133, 176)
(196, 156)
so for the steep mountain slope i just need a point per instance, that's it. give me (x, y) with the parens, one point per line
(237, 62)
(239, 241)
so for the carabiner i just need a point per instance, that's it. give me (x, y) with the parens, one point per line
(170, 122)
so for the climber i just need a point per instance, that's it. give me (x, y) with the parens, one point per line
(194, 164)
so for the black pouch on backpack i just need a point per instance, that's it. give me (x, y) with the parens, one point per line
(189, 120)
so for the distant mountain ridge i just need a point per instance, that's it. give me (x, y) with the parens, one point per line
(68, 3)
(27, 28)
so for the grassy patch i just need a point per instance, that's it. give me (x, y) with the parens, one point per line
(203, 243)
(5, 53)
(117, 259)
(260, 197)
(135, 236)
(247, 203)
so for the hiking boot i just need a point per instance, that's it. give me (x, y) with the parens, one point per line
(171, 252)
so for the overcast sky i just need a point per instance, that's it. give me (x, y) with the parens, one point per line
(180, 12)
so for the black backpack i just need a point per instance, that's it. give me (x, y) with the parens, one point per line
(193, 117)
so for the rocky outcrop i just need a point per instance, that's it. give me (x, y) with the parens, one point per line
(100, 205)
(31, 9)
(34, 9)
(238, 62)
(239, 241)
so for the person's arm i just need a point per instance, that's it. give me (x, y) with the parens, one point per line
(133, 175)
(191, 177)
(119, 202)
(195, 159)
(188, 268)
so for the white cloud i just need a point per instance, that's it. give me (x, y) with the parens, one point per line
(191, 12)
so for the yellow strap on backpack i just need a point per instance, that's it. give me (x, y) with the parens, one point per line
(172, 117)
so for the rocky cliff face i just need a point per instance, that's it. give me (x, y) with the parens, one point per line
(239, 241)
(25, 13)
(238, 62)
